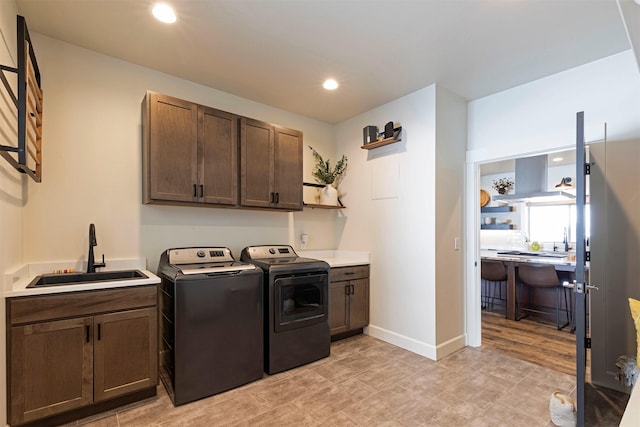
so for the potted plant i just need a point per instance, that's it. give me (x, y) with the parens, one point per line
(330, 177)
(503, 185)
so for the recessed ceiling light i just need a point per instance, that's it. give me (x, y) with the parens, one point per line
(164, 13)
(557, 159)
(330, 84)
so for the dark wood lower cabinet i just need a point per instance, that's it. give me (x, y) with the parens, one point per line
(349, 299)
(124, 351)
(57, 366)
(51, 368)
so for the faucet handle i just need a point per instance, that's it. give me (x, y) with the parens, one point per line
(100, 264)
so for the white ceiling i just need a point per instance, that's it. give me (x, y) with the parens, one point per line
(278, 52)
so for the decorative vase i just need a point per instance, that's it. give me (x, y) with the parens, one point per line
(329, 195)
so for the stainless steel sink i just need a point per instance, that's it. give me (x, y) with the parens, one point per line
(83, 278)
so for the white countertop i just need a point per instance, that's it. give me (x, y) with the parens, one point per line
(15, 284)
(493, 253)
(338, 258)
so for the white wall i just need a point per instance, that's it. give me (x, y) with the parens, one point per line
(92, 167)
(11, 182)
(391, 199)
(391, 214)
(451, 139)
(540, 116)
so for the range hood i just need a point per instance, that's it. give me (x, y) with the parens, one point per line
(531, 183)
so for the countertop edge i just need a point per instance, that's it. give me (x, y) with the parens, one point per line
(15, 284)
(339, 258)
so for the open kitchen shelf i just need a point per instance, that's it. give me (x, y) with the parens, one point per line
(496, 226)
(494, 209)
(318, 206)
(26, 157)
(395, 138)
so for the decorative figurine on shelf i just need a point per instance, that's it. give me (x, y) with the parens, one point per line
(503, 185)
(330, 177)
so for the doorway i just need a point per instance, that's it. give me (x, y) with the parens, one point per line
(541, 221)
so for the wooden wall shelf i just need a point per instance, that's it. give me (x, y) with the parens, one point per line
(395, 138)
(316, 206)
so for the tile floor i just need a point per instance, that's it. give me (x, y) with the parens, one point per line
(367, 382)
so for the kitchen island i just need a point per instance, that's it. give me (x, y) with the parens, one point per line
(512, 259)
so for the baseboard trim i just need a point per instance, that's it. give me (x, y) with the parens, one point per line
(427, 350)
(411, 344)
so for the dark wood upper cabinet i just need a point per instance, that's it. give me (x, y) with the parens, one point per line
(270, 166)
(288, 168)
(170, 142)
(256, 163)
(190, 152)
(218, 156)
(197, 155)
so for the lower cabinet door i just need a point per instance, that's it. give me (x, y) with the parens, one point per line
(50, 368)
(359, 304)
(126, 352)
(339, 307)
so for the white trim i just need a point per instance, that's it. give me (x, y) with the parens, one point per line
(472, 256)
(411, 344)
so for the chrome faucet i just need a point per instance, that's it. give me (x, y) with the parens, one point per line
(91, 264)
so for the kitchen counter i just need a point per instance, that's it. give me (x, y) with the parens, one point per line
(15, 284)
(512, 261)
(338, 258)
(558, 259)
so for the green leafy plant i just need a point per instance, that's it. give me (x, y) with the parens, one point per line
(324, 174)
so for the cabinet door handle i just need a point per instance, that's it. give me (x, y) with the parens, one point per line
(277, 197)
(201, 190)
(86, 327)
(353, 289)
(349, 273)
(99, 331)
(195, 190)
(347, 289)
(273, 197)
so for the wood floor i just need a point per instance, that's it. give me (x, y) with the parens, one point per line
(542, 344)
(532, 341)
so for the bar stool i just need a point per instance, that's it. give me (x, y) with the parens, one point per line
(493, 274)
(542, 276)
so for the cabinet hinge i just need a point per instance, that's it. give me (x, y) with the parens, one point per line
(587, 342)
(587, 255)
(587, 168)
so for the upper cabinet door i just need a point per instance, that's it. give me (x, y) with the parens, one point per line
(288, 168)
(218, 156)
(256, 163)
(171, 140)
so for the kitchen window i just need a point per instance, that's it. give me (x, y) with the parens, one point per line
(547, 223)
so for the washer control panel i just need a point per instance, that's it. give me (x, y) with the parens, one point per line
(262, 252)
(199, 255)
